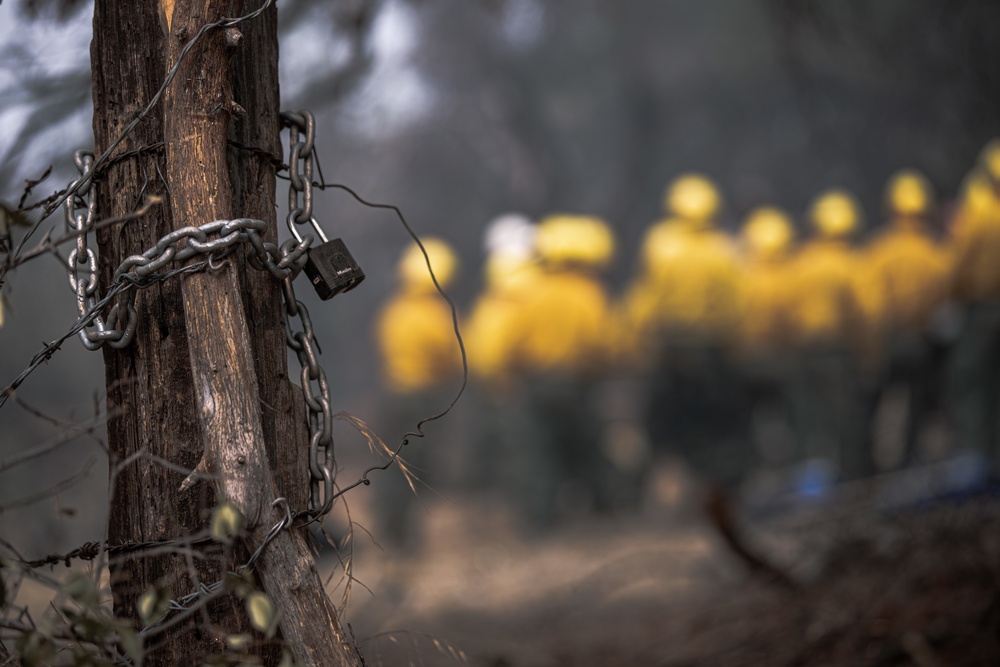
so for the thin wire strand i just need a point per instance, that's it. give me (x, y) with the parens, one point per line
(418, 432)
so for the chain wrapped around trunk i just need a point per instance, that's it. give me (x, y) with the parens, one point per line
(213, 241)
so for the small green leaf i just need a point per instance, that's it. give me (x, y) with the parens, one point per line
(226, 522)
(238, 642)
(146, 605)
(263, 615)
(153, 604)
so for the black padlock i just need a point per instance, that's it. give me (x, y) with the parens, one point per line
(330, 266)
(332, 269)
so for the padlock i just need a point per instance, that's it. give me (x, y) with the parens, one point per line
(330, 266)
(332, 269)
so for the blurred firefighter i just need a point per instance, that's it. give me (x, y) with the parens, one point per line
(680, 316)
(908, 272)
(497, 461)
(421, 364)
(765, 328)
(557, 344)
(830, 318)
(975, 283)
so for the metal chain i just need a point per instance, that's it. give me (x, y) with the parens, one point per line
(319, 413)
(82, 265)
(318, 408)
(216, 240)
(301, 166)
(141, 270)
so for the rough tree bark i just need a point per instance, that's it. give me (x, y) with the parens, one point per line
(206, 377)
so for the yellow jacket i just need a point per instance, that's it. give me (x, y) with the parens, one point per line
(908, 275)
(766, 303)
(975, 249)
(828, 301)
(689, 288)
(416, 342)
(562, 325)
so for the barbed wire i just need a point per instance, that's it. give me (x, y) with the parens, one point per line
(186, 603)
(91, 550)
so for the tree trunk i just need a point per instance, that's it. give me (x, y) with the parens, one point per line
(149, 382)
(197, 384)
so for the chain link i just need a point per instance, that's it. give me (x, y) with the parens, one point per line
(215, 240)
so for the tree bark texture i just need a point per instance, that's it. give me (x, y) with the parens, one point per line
(148, 383)
(197, 384)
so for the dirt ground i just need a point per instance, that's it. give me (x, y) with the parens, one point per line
(913, 582)
(873, 585)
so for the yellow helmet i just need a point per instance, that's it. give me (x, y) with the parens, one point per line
(692, 197)
(413, 271)
(989, 159)
(768, 231)
(663, 242)
(835, 214)
(908, 193)
(574, 239)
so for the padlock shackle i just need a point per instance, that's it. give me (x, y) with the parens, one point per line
(293, 222)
